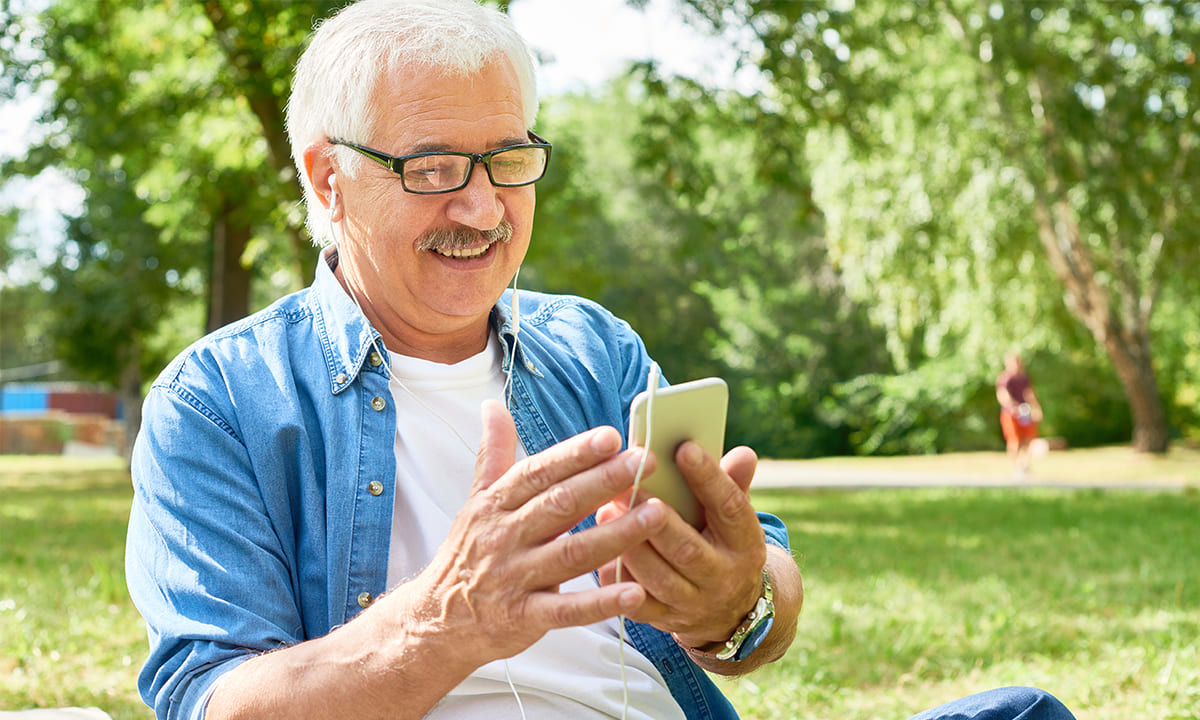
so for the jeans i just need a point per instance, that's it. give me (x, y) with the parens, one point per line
(1010, 703)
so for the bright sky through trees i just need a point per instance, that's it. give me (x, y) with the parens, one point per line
(579, 44)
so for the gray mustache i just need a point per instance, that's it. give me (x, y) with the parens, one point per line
(461, 238)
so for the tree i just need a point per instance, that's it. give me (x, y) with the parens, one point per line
(169, 116)
(685, 220)
(1070, 125)
(261, 43)
(23, 310)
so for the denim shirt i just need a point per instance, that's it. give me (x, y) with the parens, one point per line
(265, 470)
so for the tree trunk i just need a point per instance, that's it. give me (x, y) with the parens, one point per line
(256, 86)
(1133, 366)
(1117, 313)
(1126, 341)
(229, 286)
(130, 394)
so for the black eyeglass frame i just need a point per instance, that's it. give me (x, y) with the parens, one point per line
(395, 163)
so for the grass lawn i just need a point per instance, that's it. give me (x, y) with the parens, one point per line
(69, 634)
(914, 597)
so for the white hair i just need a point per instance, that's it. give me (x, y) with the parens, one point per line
(349, 53)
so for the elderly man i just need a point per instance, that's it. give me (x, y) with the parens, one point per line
(379, 496)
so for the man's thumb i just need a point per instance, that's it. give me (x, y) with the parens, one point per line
(498, 448)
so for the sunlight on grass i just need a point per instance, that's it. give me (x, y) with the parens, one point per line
(913, 597)
(69, 634)
(1091, 595)
(1114, 464)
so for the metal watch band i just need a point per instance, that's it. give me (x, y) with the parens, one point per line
(749, 635)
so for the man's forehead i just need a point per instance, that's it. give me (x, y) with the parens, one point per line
(439, 110)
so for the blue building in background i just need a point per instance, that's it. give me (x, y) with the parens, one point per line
(59, 418)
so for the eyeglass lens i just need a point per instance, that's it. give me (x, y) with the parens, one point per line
(440, 173)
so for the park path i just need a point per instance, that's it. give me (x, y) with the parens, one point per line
(802, 474)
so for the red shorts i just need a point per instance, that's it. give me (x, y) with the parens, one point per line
(1015, 431)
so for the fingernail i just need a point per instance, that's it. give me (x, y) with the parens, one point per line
(633, 460)
(630, 598)
(691, 455)
(605, 442)
(648, 514)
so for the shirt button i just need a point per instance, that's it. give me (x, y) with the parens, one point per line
(340, 379)
(375, 359)
(365, 599)
(378, 403)
(375, 487)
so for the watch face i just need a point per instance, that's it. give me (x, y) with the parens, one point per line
(760, 620)
(757, 633)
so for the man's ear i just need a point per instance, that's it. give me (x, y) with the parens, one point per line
(318, 166)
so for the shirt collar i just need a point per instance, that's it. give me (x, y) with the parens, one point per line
(348, 340)
(501, 319)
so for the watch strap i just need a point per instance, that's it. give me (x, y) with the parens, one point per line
(749, 634)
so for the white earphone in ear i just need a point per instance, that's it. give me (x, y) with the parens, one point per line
(333, 198)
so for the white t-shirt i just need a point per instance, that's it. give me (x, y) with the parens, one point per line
(569, 673)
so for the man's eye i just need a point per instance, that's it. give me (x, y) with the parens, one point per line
(508, 164)
(434, 171)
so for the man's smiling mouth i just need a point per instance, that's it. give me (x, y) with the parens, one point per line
(463, 253)
(463, 243)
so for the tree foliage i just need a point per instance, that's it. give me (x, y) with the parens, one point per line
(169, 116)
(918, 188)
(980, 163)
(665, 207)
(22, 307)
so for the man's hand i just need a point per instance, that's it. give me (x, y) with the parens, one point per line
(490, 592)
(493, 584)
(702, 583)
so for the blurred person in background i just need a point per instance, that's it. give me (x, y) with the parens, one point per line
(1020, 412)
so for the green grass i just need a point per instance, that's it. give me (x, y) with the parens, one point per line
(68, 633)
(914, 597)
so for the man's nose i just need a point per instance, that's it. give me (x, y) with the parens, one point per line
(478, 204)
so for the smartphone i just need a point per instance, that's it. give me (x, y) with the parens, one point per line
(689, 411)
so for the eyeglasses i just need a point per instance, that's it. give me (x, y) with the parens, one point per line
(443, 171)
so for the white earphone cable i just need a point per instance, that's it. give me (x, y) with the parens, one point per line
(651, 389)
(512, 359)
(507, 385)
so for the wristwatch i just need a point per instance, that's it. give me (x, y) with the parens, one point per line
(749, 635)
